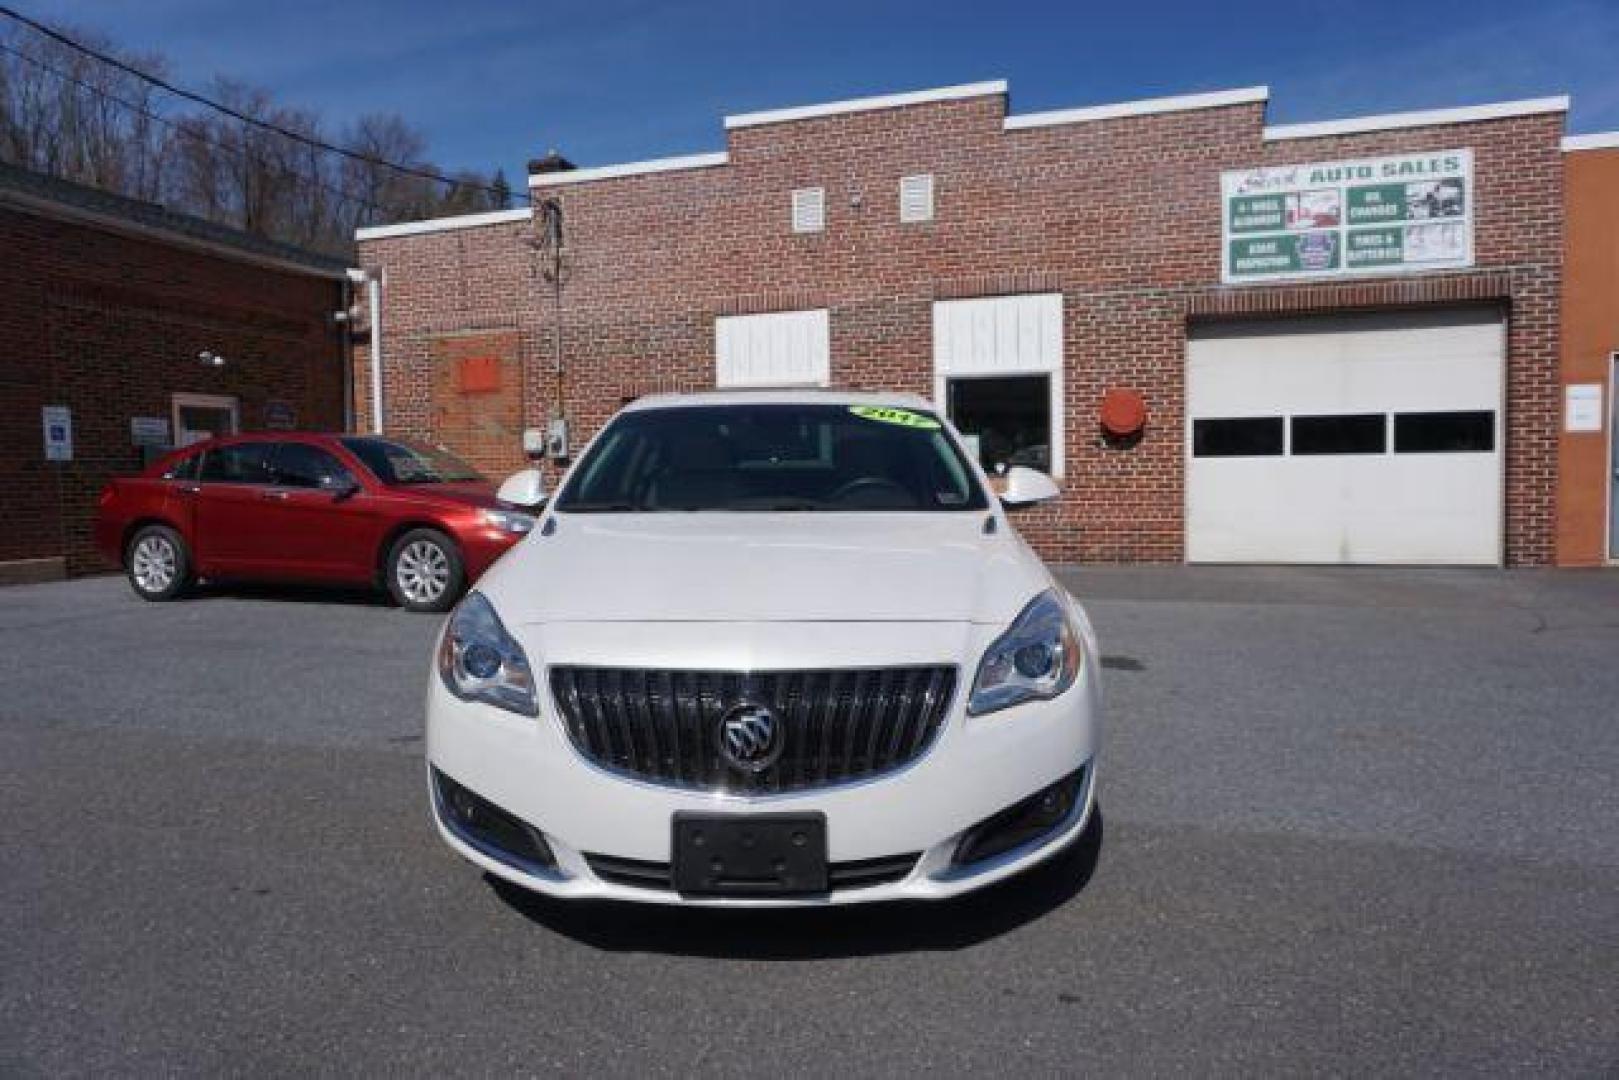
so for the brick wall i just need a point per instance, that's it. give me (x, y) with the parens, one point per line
(110, 325)
(1122, 216)
(1590, 338)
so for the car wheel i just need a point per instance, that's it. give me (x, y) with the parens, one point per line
(425, 571)
(158, 564)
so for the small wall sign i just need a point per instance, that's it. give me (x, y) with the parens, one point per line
(1582, 407)
(1386, 215)
(148, 431)
(280, 416)
(58, 423)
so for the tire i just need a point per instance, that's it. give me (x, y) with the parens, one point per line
(158, 563)
(424, 571)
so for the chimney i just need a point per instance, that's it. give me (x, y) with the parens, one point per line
(552, 162)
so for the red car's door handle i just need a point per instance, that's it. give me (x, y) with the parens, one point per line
(276, 495)
(189, 489)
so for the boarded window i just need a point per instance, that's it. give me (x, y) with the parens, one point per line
(809, 210)
(916, 198)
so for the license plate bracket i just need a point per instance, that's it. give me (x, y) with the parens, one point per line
(750, 854)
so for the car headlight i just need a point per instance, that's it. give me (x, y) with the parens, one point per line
(1037, 658)
(479, 661)
(511, 521)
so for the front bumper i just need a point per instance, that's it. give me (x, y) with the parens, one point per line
(890, 837)
(481, 545)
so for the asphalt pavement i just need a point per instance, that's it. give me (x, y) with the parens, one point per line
(1355, 821)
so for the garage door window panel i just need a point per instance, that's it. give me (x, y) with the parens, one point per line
(1009, 419)
(1238, 436)
(1444, 432)
(1355, 433)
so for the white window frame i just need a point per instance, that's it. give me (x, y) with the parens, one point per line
(737, 336)
(1046, 306)
(203, 401)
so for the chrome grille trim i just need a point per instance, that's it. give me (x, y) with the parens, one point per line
(841, 725)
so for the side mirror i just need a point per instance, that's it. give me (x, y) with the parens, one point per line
(1025, 487)
(526, 488)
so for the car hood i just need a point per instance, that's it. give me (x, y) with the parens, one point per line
(766, 567)
(471, 493)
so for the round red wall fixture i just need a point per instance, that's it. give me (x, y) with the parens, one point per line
(1123, 413)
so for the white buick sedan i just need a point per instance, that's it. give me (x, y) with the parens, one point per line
(767, 648)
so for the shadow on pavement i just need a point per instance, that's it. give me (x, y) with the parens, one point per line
(824, 932)
(288, 594)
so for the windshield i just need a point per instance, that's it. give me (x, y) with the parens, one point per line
(772, 458)
(396, 461)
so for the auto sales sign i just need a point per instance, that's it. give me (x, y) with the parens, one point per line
(1338, 218)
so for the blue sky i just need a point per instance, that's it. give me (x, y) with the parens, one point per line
(620, 80)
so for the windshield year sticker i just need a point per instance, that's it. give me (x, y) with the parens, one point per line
(901, 417)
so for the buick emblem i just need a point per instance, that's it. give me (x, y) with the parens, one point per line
(750, 737)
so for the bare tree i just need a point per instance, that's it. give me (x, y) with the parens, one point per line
(68, 114)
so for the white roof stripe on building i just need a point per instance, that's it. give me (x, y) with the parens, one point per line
(1144, 107)
(1597, 140)
(866, 104)
(1466, 114)
(633, 168)
(443, 224)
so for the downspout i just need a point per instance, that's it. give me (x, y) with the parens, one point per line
(373, 288)
(373, 291)
(345, 320)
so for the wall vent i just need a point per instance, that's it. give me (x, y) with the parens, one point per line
(809, 210)
(916, 198)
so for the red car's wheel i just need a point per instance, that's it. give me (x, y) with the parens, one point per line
(425, 572)
(158, 564)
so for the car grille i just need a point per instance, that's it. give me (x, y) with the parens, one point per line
(859, 874)
(839, 725)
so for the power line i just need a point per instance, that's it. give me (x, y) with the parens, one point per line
(179, 128)
(246, 118)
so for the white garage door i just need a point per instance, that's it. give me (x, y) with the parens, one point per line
(1354, 439)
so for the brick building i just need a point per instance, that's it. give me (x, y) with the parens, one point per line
(1588, 453)
(1322, 342)
(125, 327)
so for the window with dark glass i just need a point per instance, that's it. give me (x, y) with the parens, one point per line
(1237, 436)
(771, 458)
(1009, 417)
(302, 465)
(241, 463)
(402, 461)
(184, 469)
(1352, 433)
(1444, 432)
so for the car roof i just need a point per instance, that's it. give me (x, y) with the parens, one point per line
(781, 396)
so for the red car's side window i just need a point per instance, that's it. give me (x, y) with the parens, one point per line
(187, 468)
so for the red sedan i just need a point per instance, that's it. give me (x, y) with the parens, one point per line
(350, 509)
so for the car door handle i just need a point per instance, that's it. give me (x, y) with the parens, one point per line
(276, 496)
(189, 489)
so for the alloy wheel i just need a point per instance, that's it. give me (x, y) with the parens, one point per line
(423, 572)
(154, 564)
